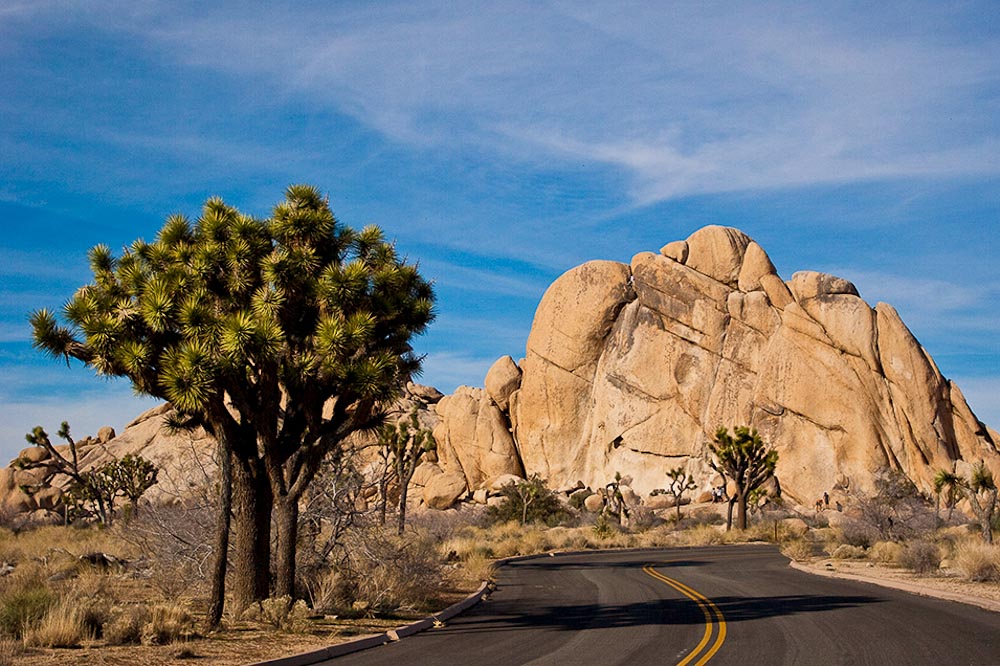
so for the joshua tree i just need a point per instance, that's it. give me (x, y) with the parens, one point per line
(280, 336)
(747, 460)
(981, 490)
(949, 484)
(680, 483)
(614, 500)
(406, 442)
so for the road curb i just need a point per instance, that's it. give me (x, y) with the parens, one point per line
(359, 644)
(903, 586)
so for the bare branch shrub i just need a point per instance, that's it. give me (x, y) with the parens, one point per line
(896, 511)
(392, 572)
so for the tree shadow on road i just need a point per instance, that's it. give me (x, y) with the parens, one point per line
(662, 612)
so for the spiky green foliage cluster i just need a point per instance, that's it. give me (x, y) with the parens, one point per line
(234, 304)
(743, 457)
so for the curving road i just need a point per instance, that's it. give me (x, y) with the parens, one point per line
(717, 605)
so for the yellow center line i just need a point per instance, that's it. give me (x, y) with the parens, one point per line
(707, 608)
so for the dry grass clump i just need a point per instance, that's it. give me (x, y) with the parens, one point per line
(280, 613)
(886, 553)
(11, 651)
(977, 561)
(478, 567)
(64, 625)
(798, 550)
(846, 551)
(703, 535)
(125, 625)
(921, 557)
(168, 623)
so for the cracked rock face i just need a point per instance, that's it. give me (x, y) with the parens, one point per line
(632, 368)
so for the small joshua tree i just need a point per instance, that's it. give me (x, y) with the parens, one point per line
(948, 484)
(679, 484)
(981, 490)
(406, 442)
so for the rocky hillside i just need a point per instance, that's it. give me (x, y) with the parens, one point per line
(633, 367)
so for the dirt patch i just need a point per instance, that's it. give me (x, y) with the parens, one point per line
(944, 585)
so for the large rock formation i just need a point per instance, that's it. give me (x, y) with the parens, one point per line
(632, 368)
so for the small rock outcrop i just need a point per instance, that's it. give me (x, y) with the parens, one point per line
(632, 368)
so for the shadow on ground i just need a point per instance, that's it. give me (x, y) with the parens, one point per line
(662, 612)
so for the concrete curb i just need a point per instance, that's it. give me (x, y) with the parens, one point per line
(358, 644)
(903, 586)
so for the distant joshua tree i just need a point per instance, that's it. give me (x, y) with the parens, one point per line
(680, 483)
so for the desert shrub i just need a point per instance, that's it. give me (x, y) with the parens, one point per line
(125, 625)
(528, 501)
(333, 592)
(848, 552)
(63, 626)
(921, 557)
(176, 543)
(798, 550)
(978, 561)
(167, 624)
(856, 533)
(642, 518)
(885, 552)
(896, 510)
(280, 613)
(604, 528)
(577, 498)
(23, 606)
(392, 571)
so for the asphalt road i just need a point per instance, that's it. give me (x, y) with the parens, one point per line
(733, 605)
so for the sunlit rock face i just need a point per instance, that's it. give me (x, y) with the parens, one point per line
(632, 368)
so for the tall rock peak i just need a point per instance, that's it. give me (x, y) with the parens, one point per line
(632, 368)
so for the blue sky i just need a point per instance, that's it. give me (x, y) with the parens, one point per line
(501, 143)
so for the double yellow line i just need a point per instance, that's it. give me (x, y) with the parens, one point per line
(702, 652)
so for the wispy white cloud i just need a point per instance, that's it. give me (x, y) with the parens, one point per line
(456, 276)
(685, 99)
(679, 99)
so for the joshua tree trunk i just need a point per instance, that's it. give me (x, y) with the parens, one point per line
(286, 513)
(403, 492)
(252, 503)
(729, 514)
(218, 594)
(741, 509)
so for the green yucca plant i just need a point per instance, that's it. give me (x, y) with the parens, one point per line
(249, 327)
